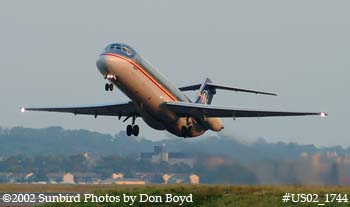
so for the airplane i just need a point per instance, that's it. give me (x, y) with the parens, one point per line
(160, 104)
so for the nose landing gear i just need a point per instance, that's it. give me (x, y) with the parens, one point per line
(109, 87)
(132, 129)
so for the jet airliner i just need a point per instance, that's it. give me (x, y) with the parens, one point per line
(159, 103)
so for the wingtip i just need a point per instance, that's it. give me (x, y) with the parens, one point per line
(271, 94)
(22, 109)
(323, 114)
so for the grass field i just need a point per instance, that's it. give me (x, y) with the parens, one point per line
(202, 195)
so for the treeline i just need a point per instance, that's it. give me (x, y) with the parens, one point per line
(217, 159)
(41, 166)
(58, 141)
(316, 169)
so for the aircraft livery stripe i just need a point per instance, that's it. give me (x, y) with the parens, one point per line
(143, 71)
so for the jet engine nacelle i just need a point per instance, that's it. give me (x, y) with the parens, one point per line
(215, 124)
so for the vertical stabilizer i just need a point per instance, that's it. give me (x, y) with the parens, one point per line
(206, 93)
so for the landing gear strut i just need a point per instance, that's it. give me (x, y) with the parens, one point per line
(109, 87)
(132, 129)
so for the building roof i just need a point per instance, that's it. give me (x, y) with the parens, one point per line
(161, 149)
(75, 174)
(146, 155)
(179, 155)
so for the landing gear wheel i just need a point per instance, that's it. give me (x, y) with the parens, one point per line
(129, 130)
(135, 130)
(189, 131)
(184, 131)
(107, 86)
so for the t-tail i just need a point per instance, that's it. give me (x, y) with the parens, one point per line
(207, 90)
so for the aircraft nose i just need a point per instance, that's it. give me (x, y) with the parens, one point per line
(101, 64)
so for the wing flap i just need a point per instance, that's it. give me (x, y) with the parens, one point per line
(193, 109)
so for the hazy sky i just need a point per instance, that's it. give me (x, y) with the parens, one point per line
(298, 49)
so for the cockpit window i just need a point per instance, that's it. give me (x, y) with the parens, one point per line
(113, 47)
(126, 50)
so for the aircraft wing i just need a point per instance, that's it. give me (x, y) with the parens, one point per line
(194, 109)
(123, 109)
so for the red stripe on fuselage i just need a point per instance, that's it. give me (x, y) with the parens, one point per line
(144, 72)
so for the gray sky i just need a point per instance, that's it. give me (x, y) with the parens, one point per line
(298, 49)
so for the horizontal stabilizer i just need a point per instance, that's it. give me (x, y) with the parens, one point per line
(215, 86)
(190, 88)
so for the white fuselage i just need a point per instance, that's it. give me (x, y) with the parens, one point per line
(149, 93)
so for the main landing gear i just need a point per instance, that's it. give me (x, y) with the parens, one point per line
(186, 131)
(109, 87)
(132, 129)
